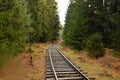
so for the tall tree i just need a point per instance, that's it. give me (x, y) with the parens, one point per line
(14, 22)
(113, 22)
(45, 19)
(36, 9)
(52, 21)
(83, 25)
(74, 27)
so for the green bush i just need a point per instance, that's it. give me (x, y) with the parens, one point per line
(94, 45)
(14, 24)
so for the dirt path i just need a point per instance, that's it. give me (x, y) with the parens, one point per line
(19, 68)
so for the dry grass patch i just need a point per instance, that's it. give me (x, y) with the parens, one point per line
(92, 66)
(20, 69)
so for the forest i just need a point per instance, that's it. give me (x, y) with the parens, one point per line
(26, 21)
(90, 39)
(93, 25)
(90, 25)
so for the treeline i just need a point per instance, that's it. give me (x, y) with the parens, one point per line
(26, 21)
(93, 25)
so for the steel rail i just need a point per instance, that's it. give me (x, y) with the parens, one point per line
(51, 62)
(81, 74)
(61, 68)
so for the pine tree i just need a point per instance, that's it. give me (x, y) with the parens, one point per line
(113, 29)
(45, 19)
(23, 21)
(35, 10)
(14, 24)
(75, 28)
(83, 26)
(52, 21)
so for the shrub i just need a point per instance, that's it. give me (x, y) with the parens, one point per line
(94, 45)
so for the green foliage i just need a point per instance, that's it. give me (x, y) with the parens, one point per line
(94, 45)
(23, 21)
(113, 28)
(90, 24)
(74, 28)
(14, 24)
(45, 20)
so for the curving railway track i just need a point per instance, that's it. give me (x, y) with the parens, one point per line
(58, 67)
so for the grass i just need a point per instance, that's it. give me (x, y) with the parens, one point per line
(92, 66)
(19, 69)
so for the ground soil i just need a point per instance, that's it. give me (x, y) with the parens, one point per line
(19, 68)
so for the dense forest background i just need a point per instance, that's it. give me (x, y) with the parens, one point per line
(93, 25)
(26, 21)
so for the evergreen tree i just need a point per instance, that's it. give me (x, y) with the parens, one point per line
(24, 21)
(36, 9)
(45, 20)
(84, 26)
(14, 24)
(113, 29)
(52, 21)
(75, 27)
(94, 14)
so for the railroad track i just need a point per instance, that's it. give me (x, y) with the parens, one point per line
(58, 67)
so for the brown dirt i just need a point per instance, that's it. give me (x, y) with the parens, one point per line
(20, 69)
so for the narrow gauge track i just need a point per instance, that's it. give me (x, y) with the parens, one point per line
(58, 67)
